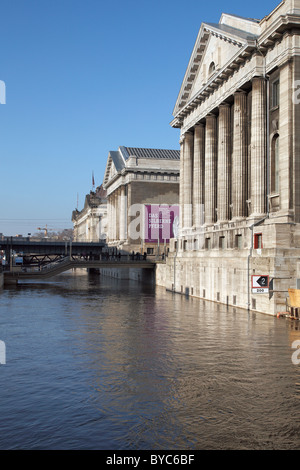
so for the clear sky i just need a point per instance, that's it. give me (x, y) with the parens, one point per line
(82, 78)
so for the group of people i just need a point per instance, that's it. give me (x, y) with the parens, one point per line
(117, 256)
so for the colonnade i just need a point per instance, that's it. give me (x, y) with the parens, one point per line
(117, 214)
(223, 165)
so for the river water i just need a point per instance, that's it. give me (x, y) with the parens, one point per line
(99, 363)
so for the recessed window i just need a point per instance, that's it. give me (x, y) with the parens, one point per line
(212, 69)
(275, 164)
(258, 241)
(222, 243)
(238, 241)
(207, 243)
(275, 93)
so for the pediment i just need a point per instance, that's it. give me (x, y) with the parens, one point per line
(216, 45)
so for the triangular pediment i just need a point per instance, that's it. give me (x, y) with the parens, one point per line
(216, 45)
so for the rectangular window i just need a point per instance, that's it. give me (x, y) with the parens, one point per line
(207, 243)
(258, 241)
(222, 243)
(238, 242)
(149, 251)
(275, 94)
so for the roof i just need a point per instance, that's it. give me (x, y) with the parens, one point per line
(153, 153)
(238, 33)
(119, 157)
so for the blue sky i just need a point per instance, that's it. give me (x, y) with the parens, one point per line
(82, 78)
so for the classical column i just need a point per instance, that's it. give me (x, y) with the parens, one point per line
(109, 213)
(188, 178)
(198, 174)
(118, 213)
(123, 214)
(258, 147)
(181, 182)
(115, 213)
(239, 156)
(210, 168)
(224, 151)
(129, 203)
(113, 217)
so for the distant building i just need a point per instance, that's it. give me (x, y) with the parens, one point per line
(90, 223)
(141, 183)
(238, 113)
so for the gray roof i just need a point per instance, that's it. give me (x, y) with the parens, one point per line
(254, 20)
(153, 153)
(230, 30)
(117, 159)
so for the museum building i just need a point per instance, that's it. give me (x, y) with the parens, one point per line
(238, 111)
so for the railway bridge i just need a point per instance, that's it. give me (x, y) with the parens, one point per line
(43, 259)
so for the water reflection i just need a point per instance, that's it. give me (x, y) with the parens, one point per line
(118, 365)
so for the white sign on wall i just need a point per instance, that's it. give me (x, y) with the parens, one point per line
(260, 284)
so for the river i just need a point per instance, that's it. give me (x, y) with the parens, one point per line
(98, 363)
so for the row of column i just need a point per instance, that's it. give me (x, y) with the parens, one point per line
(117, 215)
(214, 161)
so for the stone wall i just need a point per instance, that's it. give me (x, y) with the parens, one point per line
(224, 275)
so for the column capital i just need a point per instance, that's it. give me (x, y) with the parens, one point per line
(239, 92)
(224, 105)
(185, 136)
(211, 116)
(189, 134)
(258, 78)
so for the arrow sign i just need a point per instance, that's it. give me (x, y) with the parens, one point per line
(260, 284)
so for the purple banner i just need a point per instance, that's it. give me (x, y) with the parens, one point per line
(159, 222)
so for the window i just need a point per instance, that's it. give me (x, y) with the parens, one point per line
(207, 243)
(222, 243)
(275, 93)
(149, 251)
(275, 164)
(211, 69)
(258, 241)
(238, 242)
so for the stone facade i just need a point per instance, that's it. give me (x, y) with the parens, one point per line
(135, 177)
(237, 111)
(90, 224)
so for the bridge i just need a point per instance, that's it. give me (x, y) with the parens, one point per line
(37, 249)
(65, 264)
(42, 259)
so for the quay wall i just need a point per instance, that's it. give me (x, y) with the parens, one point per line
(133, 274)
(227, 279)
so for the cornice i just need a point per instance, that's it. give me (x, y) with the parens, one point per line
(268, 39)
(215, 82)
